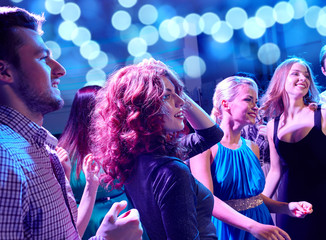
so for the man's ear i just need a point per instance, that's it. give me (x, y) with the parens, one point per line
(323, 70)
(5, 72)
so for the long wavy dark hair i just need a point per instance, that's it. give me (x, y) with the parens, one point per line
(75, 137)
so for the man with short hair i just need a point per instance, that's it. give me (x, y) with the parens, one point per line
(34, 200)
(322, 58)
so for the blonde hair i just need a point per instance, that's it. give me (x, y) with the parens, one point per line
(275, 99)
(228, 90)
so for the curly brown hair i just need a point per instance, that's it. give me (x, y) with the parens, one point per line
(128, 119)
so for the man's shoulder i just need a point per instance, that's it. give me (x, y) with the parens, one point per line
(322, 97)
(6, 132)
(11, 142)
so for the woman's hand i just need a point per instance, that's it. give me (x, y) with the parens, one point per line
(299, 209)
(91, 170)
(262, 130)
(266, 232)
(64, 160)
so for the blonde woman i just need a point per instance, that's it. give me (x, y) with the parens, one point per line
(231, 169)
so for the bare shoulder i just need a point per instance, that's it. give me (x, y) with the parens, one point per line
(253, 146)
(323, 117)
(214, 150)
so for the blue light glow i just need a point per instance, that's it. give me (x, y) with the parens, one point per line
(71, 12)
(236, 17)
(300, 7)
(283, 12)
(100, 61)
(222, 32)
(90, 50)
(269, 53)
(208, 21)
(121, 20)
(254, 27)
(55, 49)
(65, 29)
(80, 35)
(149, 34)
(311, 16)
(127, 3)
(147, 14)
(193, 24)
(54, 6)
(194, 66)
(137, 47)
(266, 13)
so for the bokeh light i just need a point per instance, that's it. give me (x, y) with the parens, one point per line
(192, 21)
(236, 17)
(300, 7)
(55, 49)
(283, 12)
(137, 47)
(180, 25)
(149, 34)
(130, 33)
(80, 35)
(169, 30)
(222, 32)
(266, 14)
(269, 53)
(66, 29)
(71, 12)
(100, 61)
(147, 14)
(54, 6)
(207, 22)
(254, 27)
(127, 3)
(121, 20)
(90, 50)
(95, 77)
(321, 22)
(311, 16)
(194, 66)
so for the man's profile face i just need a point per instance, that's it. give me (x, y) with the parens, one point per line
(323, 68)
(37, 77)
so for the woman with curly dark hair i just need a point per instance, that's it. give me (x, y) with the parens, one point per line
(137, 122)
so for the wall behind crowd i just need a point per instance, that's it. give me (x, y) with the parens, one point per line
(203, 41)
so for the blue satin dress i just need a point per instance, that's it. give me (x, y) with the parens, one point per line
(237, 175)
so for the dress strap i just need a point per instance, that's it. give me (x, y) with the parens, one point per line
(317, 117)
(276, 122)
